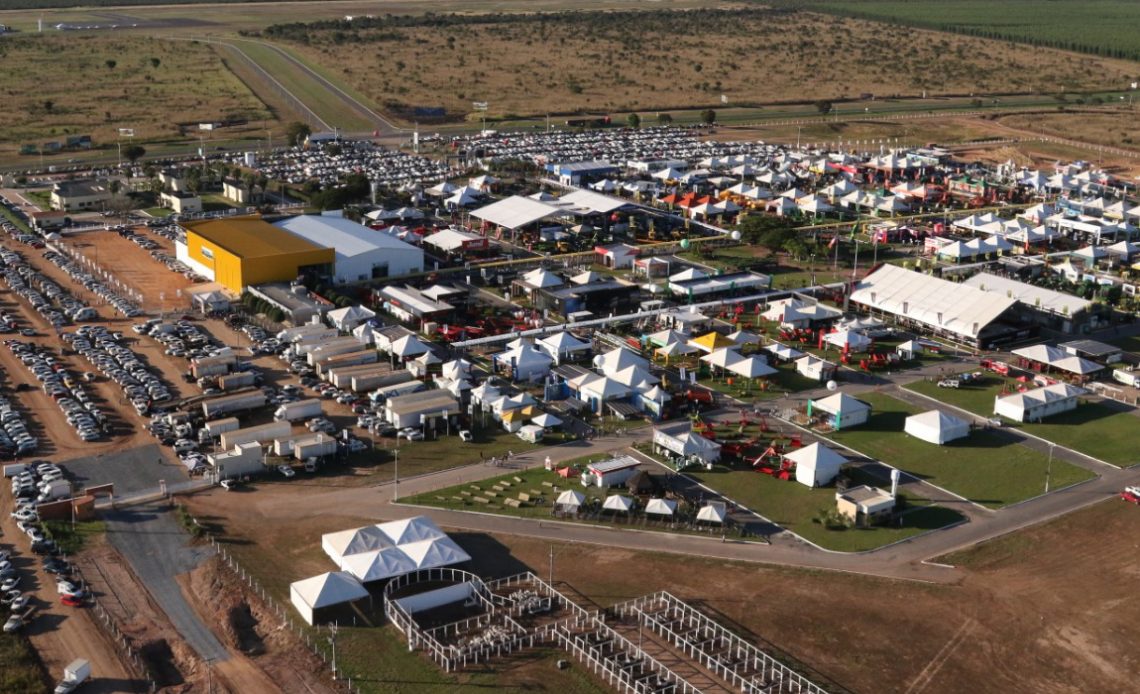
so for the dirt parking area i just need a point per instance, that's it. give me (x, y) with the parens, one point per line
(133, 266)
(61, 634)
(1050, 609)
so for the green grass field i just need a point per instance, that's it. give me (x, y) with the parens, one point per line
(1100, 27)
(985, 467)
(1094, 429)
(793, 506)
(20, 669)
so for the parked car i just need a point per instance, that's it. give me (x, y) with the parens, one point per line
(286, 470)
(466, 436)
(71, 600)
(14, 624)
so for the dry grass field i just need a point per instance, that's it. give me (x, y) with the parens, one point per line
(571, 62)
(1049, 609)
(1117, 129)
(61, 84)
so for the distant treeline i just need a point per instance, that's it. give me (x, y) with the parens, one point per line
(62, 4)
(1106, 28)
(381, 27)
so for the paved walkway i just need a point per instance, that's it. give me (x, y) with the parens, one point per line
(158, 549)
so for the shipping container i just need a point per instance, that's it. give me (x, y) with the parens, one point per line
(301, 409)
(261, 434)
(217, 427)
(234, 381)
(317, 446)
(229, 404)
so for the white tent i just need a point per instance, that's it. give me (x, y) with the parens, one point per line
(845, 410)
(713, 512)
(783, 351)
(617, 502)
(743, 337)
(936, 427)
(364, 333)
(526, 362)
(546, 420)
(752, 367)
(687, 274)
(355, 541)
(429, 554)
(409, 346)
(570, 499)
(349, 317)
(414, 529)
(542, 279)
(562, 345)
(660, 507)
(587, 277)
(723, 357)
(325, 590)
(378, 564)
(816, 465)
(855, 342)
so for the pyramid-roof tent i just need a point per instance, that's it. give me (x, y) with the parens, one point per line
(617, 502)
(816, 464)
(937, 427)
(429, 554)
(378, 565)
(325, 590)
(710, 342)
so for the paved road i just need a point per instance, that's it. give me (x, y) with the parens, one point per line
(151, 539)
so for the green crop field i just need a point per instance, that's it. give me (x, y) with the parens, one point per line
(1099, 27)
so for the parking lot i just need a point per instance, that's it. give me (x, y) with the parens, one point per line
(135, 267)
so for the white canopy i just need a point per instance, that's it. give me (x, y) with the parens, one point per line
(713, 512)
(409, 346)
(542, 279)
(743, 337)
(570, 498)
(936, 427)
(325, 590)
(617, 502)
(546, 420)
(378, 564)
(856, 342)
(516, 211)
(723, 357)
(661, 507)
(752, 367)
(783, 351)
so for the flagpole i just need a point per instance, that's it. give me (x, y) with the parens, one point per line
(855, 266)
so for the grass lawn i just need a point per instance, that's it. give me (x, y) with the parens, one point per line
(20, 669)
(158, 211)
(418, 457)
(70, 540)
(793, 506)
(535, 484)
(1103, 432)
(985, 467)
(11, 217)
(39, 198)
(1128, 344)
(213, 202)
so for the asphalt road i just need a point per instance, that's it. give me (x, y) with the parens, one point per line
(158, 548)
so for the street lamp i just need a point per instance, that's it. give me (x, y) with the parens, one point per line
(332, 641)
(396, 488)
(1049, 467)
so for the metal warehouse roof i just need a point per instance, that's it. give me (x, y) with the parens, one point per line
(516, 211)
(345, 236)
(594, 202)
(1037, 297)
(938, 303)
(250, 237)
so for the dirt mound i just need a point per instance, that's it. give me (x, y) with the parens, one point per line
(247, 624)
(160, 661)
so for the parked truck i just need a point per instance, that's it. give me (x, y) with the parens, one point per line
(213, 366)
(230, 404)
(76, 673)
(231, 382)
(53, 491)
(301, 409)
(1126, 376)
(13, 469)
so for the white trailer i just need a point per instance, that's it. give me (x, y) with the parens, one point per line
(610, 473)
(234, 381)
(332, 348)
(347, 343)
(229, 404)
(342, 376)
(339, 361)
(217, 427)
(315, 337)
(299, 332)
(244, 459)
(316, 446)
(213, 366)
(13, 469)
(262, 433)
(1127, 376)
(395, 390)
(301, 409)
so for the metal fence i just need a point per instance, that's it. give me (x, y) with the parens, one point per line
(310, 636)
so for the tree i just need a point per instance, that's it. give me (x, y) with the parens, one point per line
(48, 105)
(708, 116)
(633, 120)
(772, 233)
(134, 152)
(296, 132)
(155, 62)
(664, 118)
(111, 64)
(823, 106)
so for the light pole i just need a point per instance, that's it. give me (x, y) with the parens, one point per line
(332, 641)
(1049, 467)
(396, 488)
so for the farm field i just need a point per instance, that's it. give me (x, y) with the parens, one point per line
(1011, 620)
(449, 64)
(1102, 431)
(1101, 27)
(986, 467)
(1116, 129)
(123, 87)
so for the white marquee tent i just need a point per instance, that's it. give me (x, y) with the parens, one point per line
(386, 550)
(325, 590)
(660, 507)
(816, 465)
(936, 427)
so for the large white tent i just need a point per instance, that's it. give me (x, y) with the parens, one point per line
(326, 590)
(713, 512)
(660, 507)
(386, 550)
(816, 465)
(617, 502)
(936, 427)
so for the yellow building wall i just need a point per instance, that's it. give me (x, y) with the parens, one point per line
(283, 267)
(226, 266)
